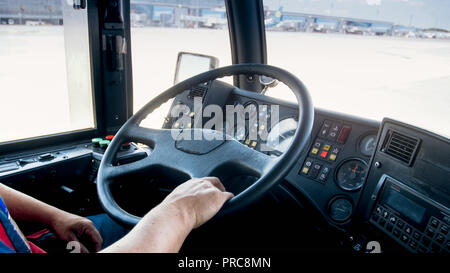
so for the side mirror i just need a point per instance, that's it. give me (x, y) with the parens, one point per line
(191, 64)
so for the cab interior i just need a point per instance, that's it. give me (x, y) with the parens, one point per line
(359, 185)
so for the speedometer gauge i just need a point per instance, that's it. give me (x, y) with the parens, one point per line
(281, 135)
(351, 174)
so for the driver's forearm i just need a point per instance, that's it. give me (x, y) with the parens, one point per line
(26, 208)
(162, 230)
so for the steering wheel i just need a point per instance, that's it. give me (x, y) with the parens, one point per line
(199, 158)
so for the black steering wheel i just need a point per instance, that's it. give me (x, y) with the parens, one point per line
(198, 158)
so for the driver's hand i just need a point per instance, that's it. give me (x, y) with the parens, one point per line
(70, 227)
(199, 199)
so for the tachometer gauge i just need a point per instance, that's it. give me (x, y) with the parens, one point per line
(368, 144)
(351, 174)
(280, 135)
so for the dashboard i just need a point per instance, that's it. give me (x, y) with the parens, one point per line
(350, 166)
(385, 180)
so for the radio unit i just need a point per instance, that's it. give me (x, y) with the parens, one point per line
(410, 218)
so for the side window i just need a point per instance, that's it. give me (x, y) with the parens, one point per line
(45, 80)
(160, 31)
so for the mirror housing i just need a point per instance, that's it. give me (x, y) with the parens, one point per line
(191, 64)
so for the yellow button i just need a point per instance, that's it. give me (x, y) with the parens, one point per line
(254, 143)
(305, 170)
(326, 147)
(262, 127)
(333, 157)
(314, 151)
(189, 125)
(176, 125)
(247, 142)
(192, 114)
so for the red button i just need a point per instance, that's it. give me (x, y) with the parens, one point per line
(324, 154)
(109, 137)
(342, 138)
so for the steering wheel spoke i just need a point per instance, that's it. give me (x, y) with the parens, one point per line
(114, 172)
(240, 155)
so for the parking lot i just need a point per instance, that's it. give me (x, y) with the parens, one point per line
(374, 77)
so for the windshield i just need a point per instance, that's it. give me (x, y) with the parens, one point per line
(159, 31)
(369, 58)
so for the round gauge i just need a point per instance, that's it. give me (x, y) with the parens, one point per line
(368, 144)
(281, 134)
(351, 174)
(340, 209)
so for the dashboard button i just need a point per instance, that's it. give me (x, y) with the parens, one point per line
(342, 138)
(317, 144)
(324, 174)
(334, 130)
(430, 231)
(324, 154)
(440, 238)
(400, 224)
(404, 238)
(323, 177)
(315, 171)
(417, 235)
(426, 241)
(393, 220)
(306, 166)
(396, 233)
(413, 244)
(379, 210)
(435, 247)
(325, 128)
(326, 147)
(382, 222)
(389, 227)
(305, 170)
(434, 222)
(421, 249)
(444, 229)
(332, 135)
(408, 230)
(314, 151)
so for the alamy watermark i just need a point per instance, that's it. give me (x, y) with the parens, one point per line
(249, 122)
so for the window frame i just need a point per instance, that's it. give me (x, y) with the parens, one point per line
(97, 97)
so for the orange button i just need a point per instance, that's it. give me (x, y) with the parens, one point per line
(324, 154)
(109, 137)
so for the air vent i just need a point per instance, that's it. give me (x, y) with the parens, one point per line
(400, 146)
(197, 91)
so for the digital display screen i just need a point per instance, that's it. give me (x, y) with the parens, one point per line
(405, 206)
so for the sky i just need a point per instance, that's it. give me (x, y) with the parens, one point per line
(418, 13)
